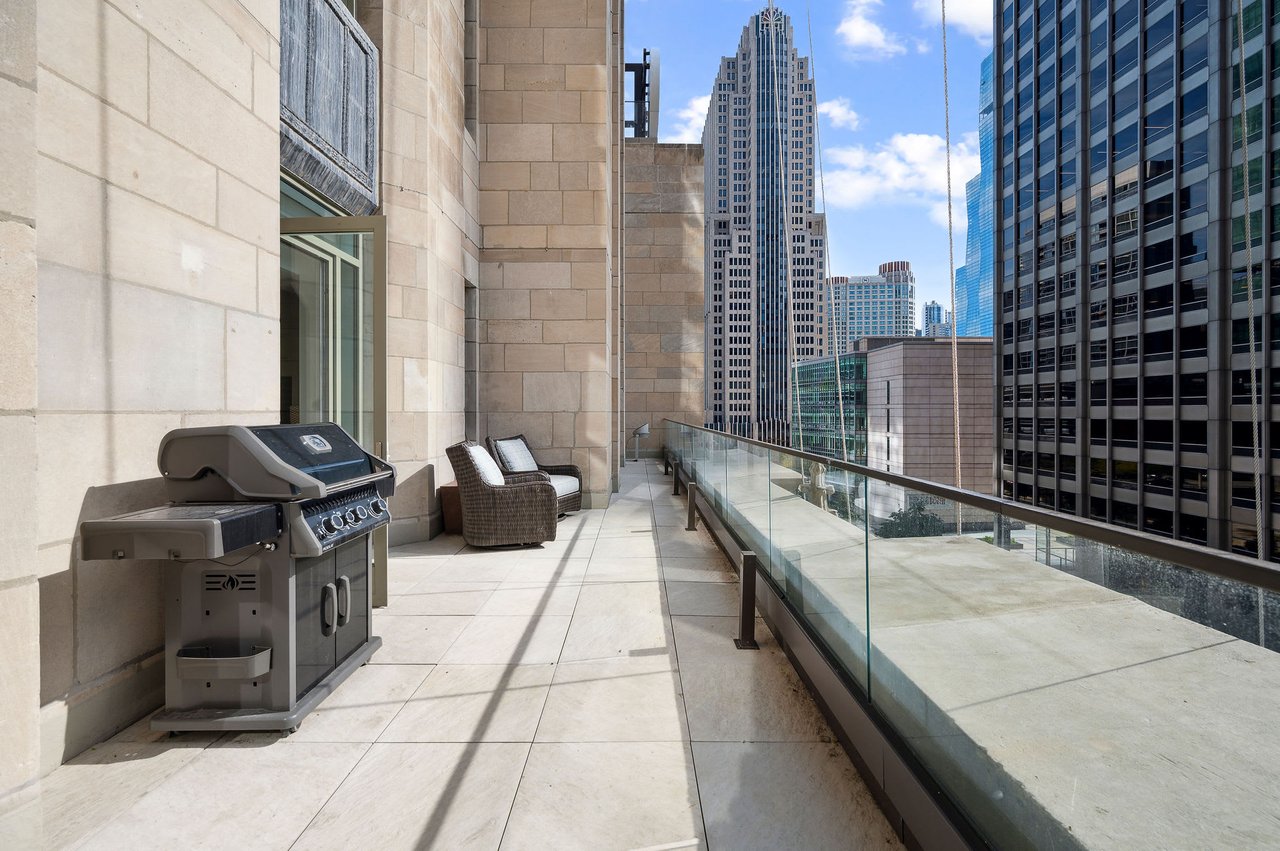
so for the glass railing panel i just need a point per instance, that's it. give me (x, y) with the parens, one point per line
(1066, 691)
(1062, 689)
(820, 547)
(747, 486)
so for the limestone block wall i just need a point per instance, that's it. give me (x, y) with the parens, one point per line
(19, 580)
(156, 167)
(909, 402)
(430, 196)
(664, 302)
(547, 358)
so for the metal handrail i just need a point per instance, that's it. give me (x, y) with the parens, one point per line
(1192, 556)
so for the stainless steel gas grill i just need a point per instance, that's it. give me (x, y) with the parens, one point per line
(267, 583)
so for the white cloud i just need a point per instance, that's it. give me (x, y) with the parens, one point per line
(840, 112)
(908, 169)
(689, 122)
(972, 17)
(860, 32)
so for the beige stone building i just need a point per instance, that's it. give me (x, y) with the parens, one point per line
(910, 420)
(664, 293)
(178, 182)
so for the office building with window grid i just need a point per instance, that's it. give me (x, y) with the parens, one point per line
(765, 253)
(1122, 338)
(880, 305)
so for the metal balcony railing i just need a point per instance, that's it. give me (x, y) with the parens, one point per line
(1005, 675)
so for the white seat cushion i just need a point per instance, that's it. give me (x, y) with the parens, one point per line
(488, 469)
(564, 485)
(516, 455)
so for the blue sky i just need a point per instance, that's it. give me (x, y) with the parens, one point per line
(879, 74)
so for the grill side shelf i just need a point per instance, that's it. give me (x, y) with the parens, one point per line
(181, 531)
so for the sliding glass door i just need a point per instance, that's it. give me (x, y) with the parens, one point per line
(333, 334)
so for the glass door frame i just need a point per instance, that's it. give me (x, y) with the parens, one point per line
(376, 226)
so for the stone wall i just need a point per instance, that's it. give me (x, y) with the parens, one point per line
(430, 191)
(19, 585)
(157, 184)
(546, 357)
(664, 300)
(909, 401)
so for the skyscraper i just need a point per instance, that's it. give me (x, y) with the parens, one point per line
(1123, 348)
(880, 305)
(765, 244)
(936, 321)
(974, 280)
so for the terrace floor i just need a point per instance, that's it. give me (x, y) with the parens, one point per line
(586, 694)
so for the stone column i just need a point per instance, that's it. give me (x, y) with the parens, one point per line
(19, 585)
(546, 198)
(665, 295)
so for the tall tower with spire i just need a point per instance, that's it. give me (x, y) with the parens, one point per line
(765, 240)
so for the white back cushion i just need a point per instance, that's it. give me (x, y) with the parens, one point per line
(488, 469)
(516, 455)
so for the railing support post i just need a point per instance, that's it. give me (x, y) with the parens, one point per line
(675, 480)
(746, 639)
(692, 523)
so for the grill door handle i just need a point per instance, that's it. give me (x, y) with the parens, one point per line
(328, 609)
(344, 600)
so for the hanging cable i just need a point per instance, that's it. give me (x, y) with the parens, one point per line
(951, 259)
(1248, 266)
(826, 241)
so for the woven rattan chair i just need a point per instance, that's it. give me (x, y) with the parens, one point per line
(497, 509)
(514, 455)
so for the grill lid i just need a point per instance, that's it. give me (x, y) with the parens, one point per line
(284, 462)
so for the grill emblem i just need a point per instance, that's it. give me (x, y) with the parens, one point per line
(316, 444)
(231, 582)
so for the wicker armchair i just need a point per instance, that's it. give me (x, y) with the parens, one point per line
(570, 497)
(519, 510)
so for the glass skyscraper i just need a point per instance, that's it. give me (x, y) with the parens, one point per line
(1123, 340)
(765, 243)
(829, 414)
(975, 279)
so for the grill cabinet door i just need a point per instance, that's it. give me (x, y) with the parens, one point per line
(353, 596)
(315, 583)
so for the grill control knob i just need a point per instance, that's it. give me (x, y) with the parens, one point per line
(361, 513)
(328, 526)
(337, 520)
(351, 518)
(378, 507)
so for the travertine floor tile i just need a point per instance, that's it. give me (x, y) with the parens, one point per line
(474, 703)
(606, 796)
(362, 706)
(702, 598)
(814, 797)
(753, 696)
(630, 699)
(509, 640)
(411, 796)
(248, 796)
(433, 597)
(415, 639)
